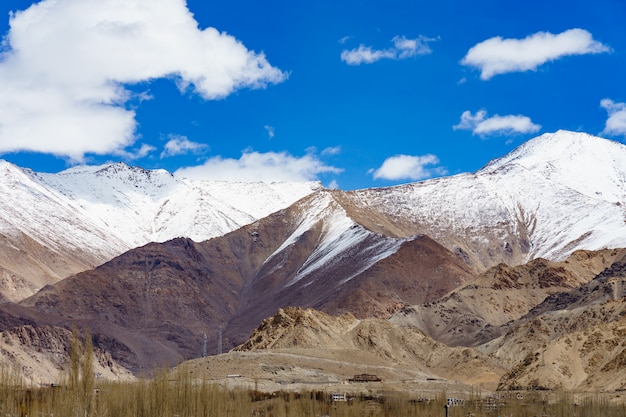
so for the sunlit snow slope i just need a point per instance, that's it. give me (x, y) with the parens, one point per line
(551, 196)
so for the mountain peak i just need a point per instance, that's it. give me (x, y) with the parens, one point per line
(561, 146)
(588, 164)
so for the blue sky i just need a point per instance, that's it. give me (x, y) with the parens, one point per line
(355, 94)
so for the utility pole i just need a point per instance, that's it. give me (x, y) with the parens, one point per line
(219, 341)
(204, 346)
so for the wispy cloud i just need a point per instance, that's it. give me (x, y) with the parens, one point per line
(64, 66)
(332, 150)
(402, 48)
(270, 131)
(616, 123)
(482, 125)
(344, 39)
(181, 145)
(499, 56)
(136, 152)
(255, 166)
(402, 167)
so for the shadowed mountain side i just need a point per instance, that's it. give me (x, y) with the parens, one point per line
(420, 270)
(148, 307)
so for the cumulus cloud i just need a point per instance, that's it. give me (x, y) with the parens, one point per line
(65, 65)
(482, 125)
(410, 167)
(256, 166)
(616, 123)
(402, 48)
(499, 56)
(181, 145)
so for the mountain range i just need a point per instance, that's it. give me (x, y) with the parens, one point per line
(56, 225)
(152, 263)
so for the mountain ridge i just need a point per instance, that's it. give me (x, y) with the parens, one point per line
(511, 236)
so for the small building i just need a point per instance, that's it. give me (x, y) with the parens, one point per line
(365, 378)
(455, 402)
(339, 397)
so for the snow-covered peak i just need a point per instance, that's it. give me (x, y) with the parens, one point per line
(593, 166)
(132, 205)
(107, 182)
(553, 195)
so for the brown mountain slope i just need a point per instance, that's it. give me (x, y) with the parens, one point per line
(147, 307)
(581, 349)
(478, 311)
(153, 305)
(572, 340)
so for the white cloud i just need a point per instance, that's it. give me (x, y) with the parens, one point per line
(481, 125)
(410, 167)
(402, 48)
(181, 145)
(332, 150)
(344, 39)
(142, 152)
(365, 54)
(616, 123)
(408, 48)
(499, 56)
(65, 64)
(256, 166)
(270, 131)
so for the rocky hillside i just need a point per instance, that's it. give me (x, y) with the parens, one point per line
(482, 309)
(302, 331)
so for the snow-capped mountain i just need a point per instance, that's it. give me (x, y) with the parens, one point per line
(553, 195)
(141, 206)
(54, 225)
